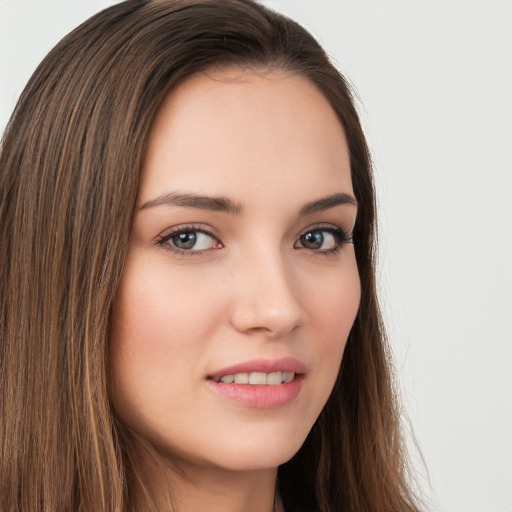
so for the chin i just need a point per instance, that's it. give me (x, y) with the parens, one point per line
(241, 450)
(259, 452)
(257, 460)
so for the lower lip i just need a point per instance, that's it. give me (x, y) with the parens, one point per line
(262, 396)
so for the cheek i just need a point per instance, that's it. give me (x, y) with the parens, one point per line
(335, 306)
(160, 323)
(334, 311)
(332, 303)
(158, 310)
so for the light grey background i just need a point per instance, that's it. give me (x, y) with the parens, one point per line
(434, 80)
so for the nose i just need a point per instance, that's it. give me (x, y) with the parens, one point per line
(267, 299)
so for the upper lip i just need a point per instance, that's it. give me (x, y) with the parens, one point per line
(285, 364)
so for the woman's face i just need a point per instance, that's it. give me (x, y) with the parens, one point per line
(240, 268)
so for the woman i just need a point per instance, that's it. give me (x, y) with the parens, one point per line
(189, 317)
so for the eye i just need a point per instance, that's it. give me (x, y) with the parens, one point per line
(323, 239)
(189, 240)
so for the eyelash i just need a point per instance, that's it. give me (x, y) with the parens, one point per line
(341, 238)
(166, 236)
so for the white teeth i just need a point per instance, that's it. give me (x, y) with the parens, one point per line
(288, 376)
(241, 378)
(274, 378)
(258, 378)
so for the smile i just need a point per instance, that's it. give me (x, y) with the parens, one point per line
(258, 378)
(260, 383)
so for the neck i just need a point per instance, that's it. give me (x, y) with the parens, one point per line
(224, 491)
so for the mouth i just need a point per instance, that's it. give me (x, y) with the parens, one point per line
(257, 378)
(260, 383)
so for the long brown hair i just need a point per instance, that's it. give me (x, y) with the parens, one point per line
(70, 163)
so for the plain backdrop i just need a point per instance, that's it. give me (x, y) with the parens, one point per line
(434, 86)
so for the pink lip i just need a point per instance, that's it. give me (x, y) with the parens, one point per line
(260, 396)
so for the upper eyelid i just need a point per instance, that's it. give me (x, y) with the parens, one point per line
(183, 228)
(214, 233)
(327, 226)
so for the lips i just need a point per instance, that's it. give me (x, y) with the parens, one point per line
(260, 383)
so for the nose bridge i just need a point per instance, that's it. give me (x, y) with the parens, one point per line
(266, 298)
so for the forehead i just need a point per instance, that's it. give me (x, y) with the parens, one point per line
(219, 132)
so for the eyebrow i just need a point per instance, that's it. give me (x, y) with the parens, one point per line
(327, 202)
(226, 205)
(214, 204)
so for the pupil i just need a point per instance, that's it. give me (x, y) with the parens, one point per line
(313, 240)
(184, 240)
